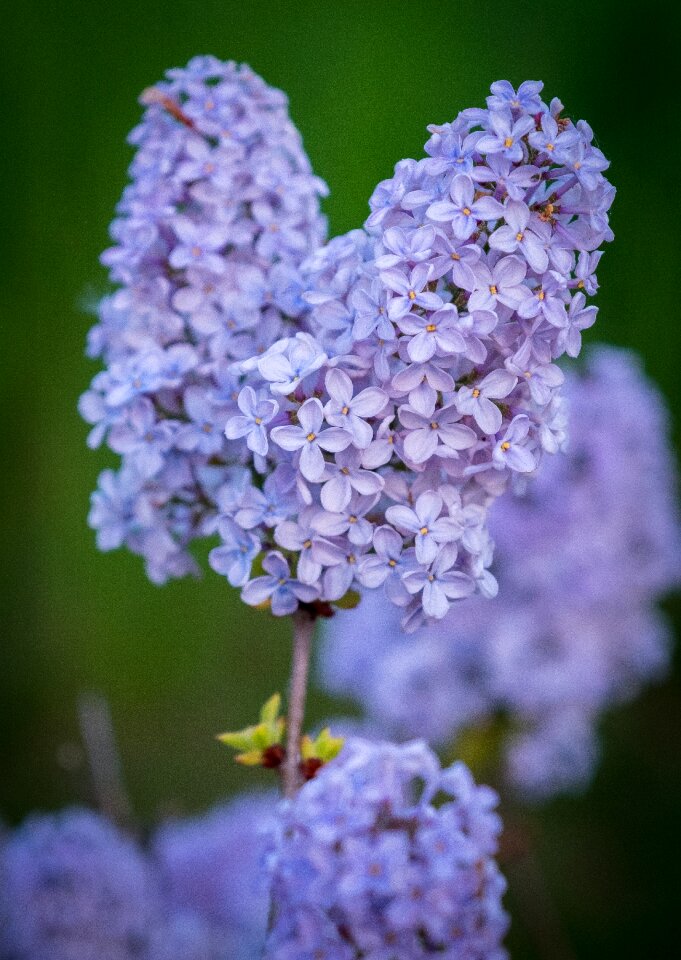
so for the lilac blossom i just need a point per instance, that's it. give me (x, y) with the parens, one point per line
(364, 865)
(221, 210)
(432, 347)
(310, 439)
(74, 888)
(278, 587)
(463, 212)
(347, 371)
(256, 414)
(477, 401)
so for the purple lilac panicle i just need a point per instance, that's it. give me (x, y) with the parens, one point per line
(581, 558)
(426, 380)
(72, 887)
(365, 866)
(212, 867)
(221, 210)
(75, 889)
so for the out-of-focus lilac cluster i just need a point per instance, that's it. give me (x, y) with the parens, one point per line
(214, 866)
(581, 559)
(366, 866)
(426, 381)
(221, 210)
(72, 887)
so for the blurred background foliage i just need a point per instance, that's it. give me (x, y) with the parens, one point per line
(179, 663)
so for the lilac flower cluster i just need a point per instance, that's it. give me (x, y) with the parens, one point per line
(426, 382)
(221, 210)
(581, 559)
(212, 867)
(73, 888)
(366, 866)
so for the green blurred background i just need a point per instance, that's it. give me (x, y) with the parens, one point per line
(181, 662)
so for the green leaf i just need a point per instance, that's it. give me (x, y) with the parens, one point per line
(270, 711)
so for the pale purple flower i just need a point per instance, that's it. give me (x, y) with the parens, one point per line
(346, 475)
(477, 402)
(503, 96)
(278, 587)
(530, 237)
(412, 247)
(432, 332)
(505, 136)
(464, 211)
(269, 506)
(235, 556)
(291, 362)
(410, 290)
(310, 439)
(511, 451)
(425, 524)
(198, 246)
(347, 412)
(542, 378)
(434, 433)
(257, 413)
(388, 564)
(500, 283)
(440, 584)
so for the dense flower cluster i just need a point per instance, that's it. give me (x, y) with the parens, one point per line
(73, 888)
(426, 380)
(581, 559)
(221, 210)
(366, 866)
(212, 866)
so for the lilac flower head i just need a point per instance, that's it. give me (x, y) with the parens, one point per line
(73, 888)
(211, 868)
(432, 339)
(365, 865)
(221, 210)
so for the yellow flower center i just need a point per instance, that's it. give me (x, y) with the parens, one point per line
(412, 295)
(345, 411)
(423, 531)
(258, 420)
(508, 142)
(519, 237)
(310, 437)
(505, 446)
(433, 424)
(431, 327)
(466, 211)
(307, 544)
(476, 393)
(493, 290)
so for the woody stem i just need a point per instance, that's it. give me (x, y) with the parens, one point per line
(303, 629)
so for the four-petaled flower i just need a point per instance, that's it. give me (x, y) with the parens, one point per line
(309, 438)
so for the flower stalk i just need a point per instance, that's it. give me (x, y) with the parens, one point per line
(303, 630)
